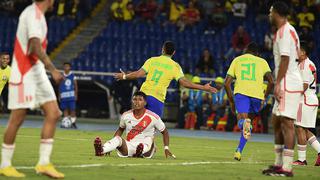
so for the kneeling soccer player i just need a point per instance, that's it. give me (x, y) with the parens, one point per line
(249, 71)
(140, 125)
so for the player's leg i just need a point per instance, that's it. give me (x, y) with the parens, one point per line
(73, 114)
(8, 146)
(115, 143)
(314, 143)
(242, 105)
(155, 105)
(52, 114)
(287, 126)
(302, 146)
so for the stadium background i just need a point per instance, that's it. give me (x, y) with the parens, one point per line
(87, 34)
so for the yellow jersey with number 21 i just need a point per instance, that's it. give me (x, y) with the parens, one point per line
(160, 71)
(249, 71)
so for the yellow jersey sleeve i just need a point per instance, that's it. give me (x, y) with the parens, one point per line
(231, 70)
(178, 72)
(146, 66)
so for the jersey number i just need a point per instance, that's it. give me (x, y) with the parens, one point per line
(156, 76)
(248, 72)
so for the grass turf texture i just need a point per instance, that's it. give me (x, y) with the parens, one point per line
(76, 148)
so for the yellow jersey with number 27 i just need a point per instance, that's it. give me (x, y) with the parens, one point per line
(160, 71)
(249, 71)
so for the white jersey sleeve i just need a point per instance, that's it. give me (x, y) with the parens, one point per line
(305, 73)
(284, 43)
(34, 25)
(122, 123)
(159, 125)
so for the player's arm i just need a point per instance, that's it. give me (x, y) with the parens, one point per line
(269, 78)
(36, 49)
(283, 67)
(227, 86)
(165, 135)
(119, 132)
(188, 84)
(133, 75)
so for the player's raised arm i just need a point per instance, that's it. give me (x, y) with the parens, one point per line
(36, 49)
(188, 84)
(133, 75)
(167, 152)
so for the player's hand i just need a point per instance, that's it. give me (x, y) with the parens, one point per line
(119, 76)
(57, 76)
(277, 92)
(209, 88)
(169, 154)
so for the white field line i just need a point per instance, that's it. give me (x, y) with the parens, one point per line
(147, 164)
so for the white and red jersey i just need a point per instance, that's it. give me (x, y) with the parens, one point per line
(286, 43)
(309, 76)
(26, 67)
(142, 128)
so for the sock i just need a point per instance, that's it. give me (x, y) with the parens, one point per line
(112, 144)
(242, 143)
(302, 149)
(240, 123)
(73, 119)
(6, 155)
(314, 143)
(45, 151)
(278, 150)
(287, 159)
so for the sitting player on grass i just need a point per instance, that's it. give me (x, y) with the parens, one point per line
(140, 125)
(248, 97)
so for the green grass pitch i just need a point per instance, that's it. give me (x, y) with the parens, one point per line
(197, 158)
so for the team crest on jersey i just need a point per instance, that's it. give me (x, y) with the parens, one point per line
(4, 78)
(144, 124)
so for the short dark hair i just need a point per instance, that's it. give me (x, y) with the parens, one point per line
(304, 46)
(4, 53)
(140, 93)
(67, 63)
(253, 48)
(281, 8)
(168, 47)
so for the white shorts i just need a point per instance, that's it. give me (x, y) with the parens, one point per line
(307, 116)
(288, 105)
(30, 95)
(132, 147)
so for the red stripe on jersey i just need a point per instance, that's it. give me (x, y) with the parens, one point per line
(299, 113)
(137, 129)
(152, 114)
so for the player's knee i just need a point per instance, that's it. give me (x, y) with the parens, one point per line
(54, 114)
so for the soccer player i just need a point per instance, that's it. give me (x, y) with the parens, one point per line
(5, 70)
(249, 72)
(30, 88)
(140, 125)
(288, 90)
(307, 113)
(160, 71)
(68, 94)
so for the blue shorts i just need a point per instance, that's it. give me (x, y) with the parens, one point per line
(155, 105)
(70, 105)
(246, 104)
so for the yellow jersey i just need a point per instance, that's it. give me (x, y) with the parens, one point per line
(249, 71)
(160, 71)
(4, 77)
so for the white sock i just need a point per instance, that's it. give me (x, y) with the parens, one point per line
(287, 159)
(112, 144)
(73, 119)
(45, 151)
(314, 143)
(278, 150)
(6, 155)
(302, 149)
